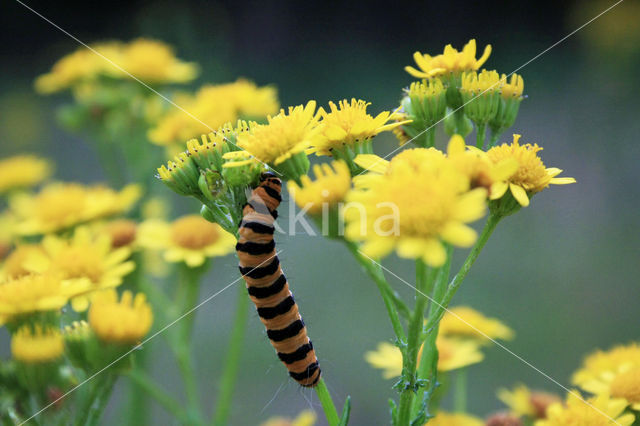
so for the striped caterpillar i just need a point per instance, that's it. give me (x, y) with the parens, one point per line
(267, 285)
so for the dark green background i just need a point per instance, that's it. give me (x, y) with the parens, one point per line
(562, 273)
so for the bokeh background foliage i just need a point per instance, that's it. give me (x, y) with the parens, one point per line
(562, 273)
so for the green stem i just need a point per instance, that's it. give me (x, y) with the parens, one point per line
(428, 364)
(146, 383)
(327, 403)
(480, 135)
(391, 301)
(105, 387)
(488, 229)
(410, 354)
(187, 298)
(232, 361)
(460, 395)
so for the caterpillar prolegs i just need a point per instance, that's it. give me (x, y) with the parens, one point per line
(267, 285)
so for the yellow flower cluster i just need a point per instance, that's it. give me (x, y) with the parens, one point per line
(63, 205)
(328, 189)
(148, 60)
(22, 171)
(531, 175)
(601, 410)
(420, 200)
(213, 106)
(189, 239)
(125, 320)
(450, 61)
(36, 345)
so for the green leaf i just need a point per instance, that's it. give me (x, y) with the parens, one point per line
(346, 410)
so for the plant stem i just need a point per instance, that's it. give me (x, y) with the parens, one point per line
(410, 354)
(391, 301)
(143, 381)
(460, 395)
(98, 399)
(187, 298)
(232, 361)
(480, 135)
(428, 364)
(488, 229)
(327, 403)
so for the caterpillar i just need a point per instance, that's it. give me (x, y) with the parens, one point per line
(267, 286)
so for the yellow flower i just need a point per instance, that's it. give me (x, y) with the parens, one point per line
(35, 345)
(420, 201)
(149, 60)
(36, 293)
(22, 171)
(305, 418)
(286, 134)
(81, 65)
(452, 355)
(15, 264)
(454, 419)
(330, 187)
(84, 257)
(190, 239)
(531, 177)
(513, 87)
(62, 205)
(348, 124)
(523, 402)
(476, 83)
(120, 321)
(154, 62)
(212, 107)
(197, 115)
(451, 61)
(615, 372)
(464, 321)
(601, 410)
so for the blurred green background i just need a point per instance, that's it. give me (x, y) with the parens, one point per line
(563, 272)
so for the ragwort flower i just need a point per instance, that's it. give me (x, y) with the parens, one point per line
(123, 320)
(466, 322)
(190, 239)
(598, 411)
(531, 176)
(329, 188)
(22, 171)
(450, 61)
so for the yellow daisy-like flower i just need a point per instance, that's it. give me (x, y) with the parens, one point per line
(23, 171)
(466, 322)
(81, 65)
(198, 114)
(63, 205)
(154, 62)
(190, 239)
(523, 402)
(122, 232)
(454, 419)
(349, 123)
(36, 293)
(450, 61)
(15, 264)
(148, 60)
(452, 355)
(36, 345)
(531, 177)
(305, 418)
(616, 372)
(421, 200)
(330, 187)
(599, 411)
(286, 134)
(84, 257)
(212, 107)
(120, 321)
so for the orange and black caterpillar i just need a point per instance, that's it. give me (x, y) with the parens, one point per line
(267, 285)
